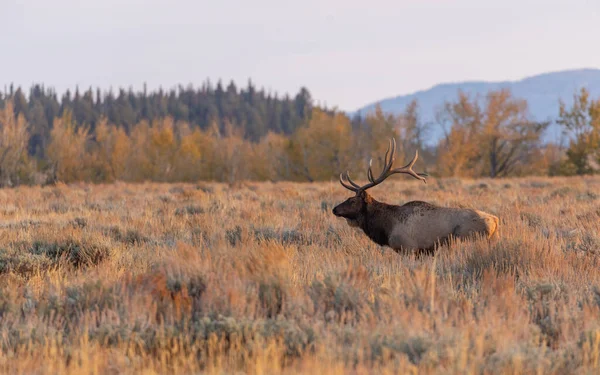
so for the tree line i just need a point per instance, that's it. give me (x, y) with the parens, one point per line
(254, 111)
(226, 134)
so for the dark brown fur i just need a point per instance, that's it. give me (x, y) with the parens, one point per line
(379, 220)
(375, 218)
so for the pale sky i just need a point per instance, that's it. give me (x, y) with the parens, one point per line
(347, 53)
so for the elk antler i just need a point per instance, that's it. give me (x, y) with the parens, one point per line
(387, 171)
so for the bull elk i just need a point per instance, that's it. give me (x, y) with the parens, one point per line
(414, 226)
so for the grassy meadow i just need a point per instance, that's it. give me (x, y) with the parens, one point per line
(261, 278)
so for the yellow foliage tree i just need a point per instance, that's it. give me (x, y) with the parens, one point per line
(374, 138)
(271, 158)
(110, 152)
(163, 148)
(457, 153)
(138, 165)
(193, 146)
(231, 155)
(413, 133)
(153, 151)
(322, 149)
(14, 138)
(582, 123)
(494, 139)
(67, 149)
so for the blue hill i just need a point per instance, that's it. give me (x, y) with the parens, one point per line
(542, 93)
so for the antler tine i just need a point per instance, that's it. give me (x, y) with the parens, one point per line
(408, 169)
(412, 162)
(386, 166)
(346, 185)
(350, 181)
(385, 160)
(370, 171)
(390, 162)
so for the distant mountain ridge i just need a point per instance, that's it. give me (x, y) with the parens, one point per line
(542, 93)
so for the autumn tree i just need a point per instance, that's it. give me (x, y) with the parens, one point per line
(193, 146)
(67, 148)
(373, 134)
(271, 159)
(323, 148)
(14, 138)
(138, 165)
(547, 160)
(232, 154)
(491, 138)
(162, 148)
(509, 134)
(582, 123)
(413, 132)
(109, 152)
(458, 151)
(154, 151)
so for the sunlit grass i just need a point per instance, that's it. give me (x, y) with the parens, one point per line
(262, 278)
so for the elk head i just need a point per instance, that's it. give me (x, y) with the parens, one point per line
(354, 208)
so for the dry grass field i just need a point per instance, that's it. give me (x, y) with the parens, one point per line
(261, 278)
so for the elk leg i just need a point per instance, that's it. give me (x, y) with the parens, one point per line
(398, 241)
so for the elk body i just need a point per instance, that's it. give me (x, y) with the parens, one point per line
(415, 225)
